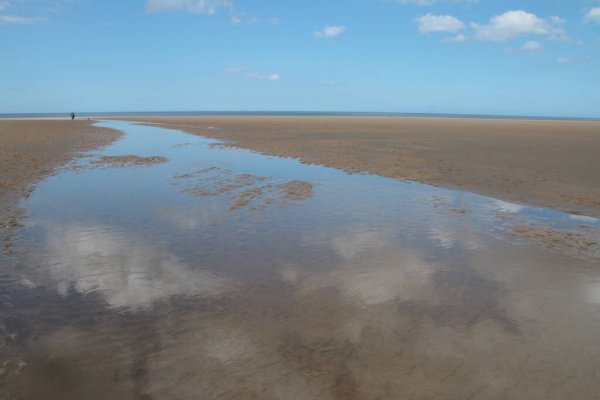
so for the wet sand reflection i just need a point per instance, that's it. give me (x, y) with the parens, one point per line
(147, 292)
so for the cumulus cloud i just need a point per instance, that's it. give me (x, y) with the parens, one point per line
(460, 38)
(439, 23)
(531, 46)
(399, 273)
(124, 268)
(507, 207)
(249, 73)
(194, 6)
(330, 32)
(593, 15)
(513, 24)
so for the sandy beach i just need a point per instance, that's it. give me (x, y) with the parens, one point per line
(509, 159)
(236, 200)
(164, 264)
(547, 163)
(32, 149)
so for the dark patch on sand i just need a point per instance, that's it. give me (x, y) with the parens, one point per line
(128, 161)
(551, 164)
(248, 191)
(585, 244)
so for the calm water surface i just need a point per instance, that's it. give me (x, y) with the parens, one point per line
(226, 274)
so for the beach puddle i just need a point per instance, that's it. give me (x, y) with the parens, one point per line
(167, 267)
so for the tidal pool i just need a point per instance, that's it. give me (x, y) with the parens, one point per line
(169, 266)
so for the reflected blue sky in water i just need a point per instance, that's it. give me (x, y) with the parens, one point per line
(363, 274)
(347, 212)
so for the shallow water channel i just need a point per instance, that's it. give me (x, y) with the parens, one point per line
(200, 271)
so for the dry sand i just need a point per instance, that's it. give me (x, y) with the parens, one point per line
(553, 164)
(33, 149)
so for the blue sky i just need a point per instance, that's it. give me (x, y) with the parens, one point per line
(527, 57)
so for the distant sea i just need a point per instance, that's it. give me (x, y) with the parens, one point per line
(279, 113)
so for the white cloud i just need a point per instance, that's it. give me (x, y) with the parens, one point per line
(557, 30)
(17, 20)
(330, 32)
(439, 23)
(209, 7)
(507, 207)
(249, 73)
(531, 46)
(123, 268)
(593, 15)
(584, 218)
(194, 6)
(37, 11)
(237, 19)
(460, 38)
(513, 24)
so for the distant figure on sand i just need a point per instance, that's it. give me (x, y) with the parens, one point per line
(72, 116)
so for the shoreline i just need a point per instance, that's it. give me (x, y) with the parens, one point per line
(545, 163)
(248, 114)
(33, 150)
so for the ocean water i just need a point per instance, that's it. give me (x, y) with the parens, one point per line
(275, 113)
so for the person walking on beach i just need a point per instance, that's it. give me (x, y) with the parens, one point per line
(72, 116)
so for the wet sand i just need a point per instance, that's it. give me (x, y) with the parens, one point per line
(128, 161)
(550, 164)
(31, 150)
(157, 280)
(246, 190)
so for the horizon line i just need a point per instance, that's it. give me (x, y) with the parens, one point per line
(289, 113)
